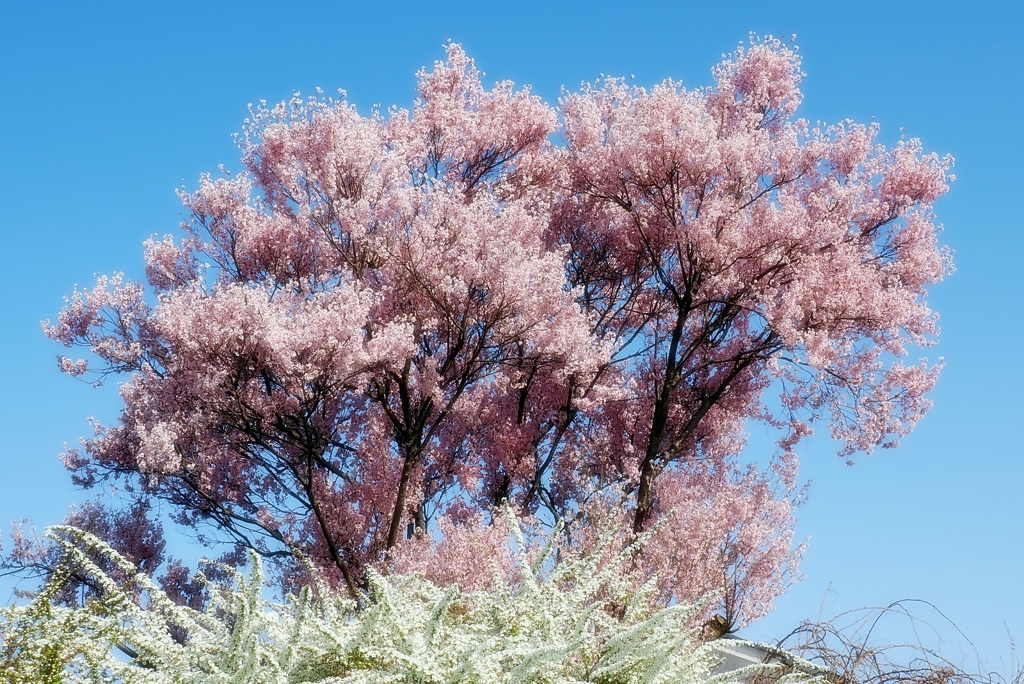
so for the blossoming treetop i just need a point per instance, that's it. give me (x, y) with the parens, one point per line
(388, 320)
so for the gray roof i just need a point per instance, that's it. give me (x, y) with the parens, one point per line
(737, 654)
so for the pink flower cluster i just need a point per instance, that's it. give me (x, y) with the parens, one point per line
(392, 320)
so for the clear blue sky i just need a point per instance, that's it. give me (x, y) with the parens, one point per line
(106, 108)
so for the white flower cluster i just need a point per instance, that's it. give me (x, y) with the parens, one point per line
(574, 620)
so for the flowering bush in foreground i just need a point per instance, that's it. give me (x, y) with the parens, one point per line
(571, 620)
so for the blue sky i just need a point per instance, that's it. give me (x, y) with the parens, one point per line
(108, 107)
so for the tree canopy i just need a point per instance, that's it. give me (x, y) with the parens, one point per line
(391, 324)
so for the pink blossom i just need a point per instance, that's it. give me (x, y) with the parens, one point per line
(386, 321)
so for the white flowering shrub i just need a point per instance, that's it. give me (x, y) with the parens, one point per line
(574, 620)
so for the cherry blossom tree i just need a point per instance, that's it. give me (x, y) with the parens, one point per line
(720, 245)
(413, 317)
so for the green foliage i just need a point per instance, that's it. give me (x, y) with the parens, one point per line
(575, 620)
